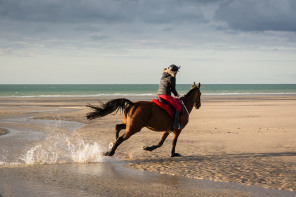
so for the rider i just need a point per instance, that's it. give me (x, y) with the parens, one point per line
(167, 86)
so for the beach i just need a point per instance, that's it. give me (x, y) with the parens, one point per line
(245, 140)
(61, 58)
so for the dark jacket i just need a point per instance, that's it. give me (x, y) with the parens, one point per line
(167, 84)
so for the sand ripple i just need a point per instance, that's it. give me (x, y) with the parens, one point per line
(251, 169)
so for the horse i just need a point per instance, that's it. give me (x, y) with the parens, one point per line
(137, 115)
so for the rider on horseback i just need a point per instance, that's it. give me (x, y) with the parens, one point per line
(167, 86)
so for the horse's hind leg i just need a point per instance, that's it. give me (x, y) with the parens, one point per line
(119, 127)
(163, 138)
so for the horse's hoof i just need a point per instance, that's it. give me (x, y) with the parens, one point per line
(149, 148)
(176, 155)
(106, 153)
(145, 148)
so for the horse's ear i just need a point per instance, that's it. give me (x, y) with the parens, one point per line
(193, 85)
(198, 85)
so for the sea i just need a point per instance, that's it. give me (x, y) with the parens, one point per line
(89, 90)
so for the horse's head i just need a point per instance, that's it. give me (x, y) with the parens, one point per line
(197, 103)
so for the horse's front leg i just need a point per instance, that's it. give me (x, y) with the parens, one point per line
(153, 147)
(175, 138)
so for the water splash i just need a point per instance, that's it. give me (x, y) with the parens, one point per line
(56, 144)
(60, 148)
(84, 152)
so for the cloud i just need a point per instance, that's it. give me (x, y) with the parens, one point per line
(244, 15)
(263, 15)
(202, 35)
(36, 26)
(99, 24)
(101, 11)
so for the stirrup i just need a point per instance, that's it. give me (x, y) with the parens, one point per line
(176, 126)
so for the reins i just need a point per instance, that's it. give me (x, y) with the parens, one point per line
(184, 106)
(183, 102)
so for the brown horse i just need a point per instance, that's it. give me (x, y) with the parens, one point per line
(147, 114)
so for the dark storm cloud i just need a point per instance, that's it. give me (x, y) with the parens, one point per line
(100, 11)
(40, 24)
(262, 15)
(247, 15)
(58, 11)
(81, 22)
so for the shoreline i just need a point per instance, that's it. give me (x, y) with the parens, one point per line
(86, 99)
(152, 95)
(138, 90)
(229, 139)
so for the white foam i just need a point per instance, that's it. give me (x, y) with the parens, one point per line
(60, 149)
(55, 145)
(84, 152)
(80, 96)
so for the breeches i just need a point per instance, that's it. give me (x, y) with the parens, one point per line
(171, 101)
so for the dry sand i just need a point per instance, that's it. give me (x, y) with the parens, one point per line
(248, 140)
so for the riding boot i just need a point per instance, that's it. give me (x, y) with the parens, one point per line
(176, 121)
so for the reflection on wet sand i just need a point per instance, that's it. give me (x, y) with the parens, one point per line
(111, 178)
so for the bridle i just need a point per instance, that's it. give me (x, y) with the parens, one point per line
(197, 105)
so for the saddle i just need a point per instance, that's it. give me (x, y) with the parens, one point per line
(166, 106)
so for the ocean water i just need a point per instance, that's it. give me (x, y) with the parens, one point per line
(86, 90)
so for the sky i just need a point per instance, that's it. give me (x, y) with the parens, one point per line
(131, 41)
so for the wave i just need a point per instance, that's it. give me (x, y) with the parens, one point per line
(83, 96)
(249, 93)
(150, 95)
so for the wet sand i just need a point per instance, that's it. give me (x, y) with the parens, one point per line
(110, 178)
(237, 140)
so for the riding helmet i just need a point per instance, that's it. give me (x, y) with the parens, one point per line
(173, 67)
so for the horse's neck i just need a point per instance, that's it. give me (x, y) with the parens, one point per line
(188, 102)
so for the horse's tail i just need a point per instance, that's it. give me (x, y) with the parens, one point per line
(109, 107)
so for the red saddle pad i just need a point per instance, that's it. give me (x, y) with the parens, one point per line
(163, 106)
